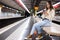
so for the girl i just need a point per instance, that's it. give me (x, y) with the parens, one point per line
(47, 16)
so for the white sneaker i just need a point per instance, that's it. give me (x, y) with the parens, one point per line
(28, 38)
(39, 38)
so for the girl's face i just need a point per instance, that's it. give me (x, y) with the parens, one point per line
(48, 5)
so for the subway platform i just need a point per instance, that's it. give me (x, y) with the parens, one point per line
(18, 16)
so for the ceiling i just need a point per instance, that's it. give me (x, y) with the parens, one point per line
(11, 3)
(28, 3)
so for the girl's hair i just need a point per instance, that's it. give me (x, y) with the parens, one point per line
(51, 7)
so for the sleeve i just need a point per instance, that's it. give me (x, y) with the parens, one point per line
(53, 13)
(42, 16)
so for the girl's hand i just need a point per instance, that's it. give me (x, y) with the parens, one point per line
(46, 13)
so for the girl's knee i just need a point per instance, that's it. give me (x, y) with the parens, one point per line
(35, 25)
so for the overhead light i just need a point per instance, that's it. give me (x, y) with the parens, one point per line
(9, 8)
(36, 7)
(6, 7)
(56, 4)
(21, 3)
(3, 6)
(17, 10)
(13, 9)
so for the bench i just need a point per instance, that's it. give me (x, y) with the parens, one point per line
(50, 29)
(53, 30)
